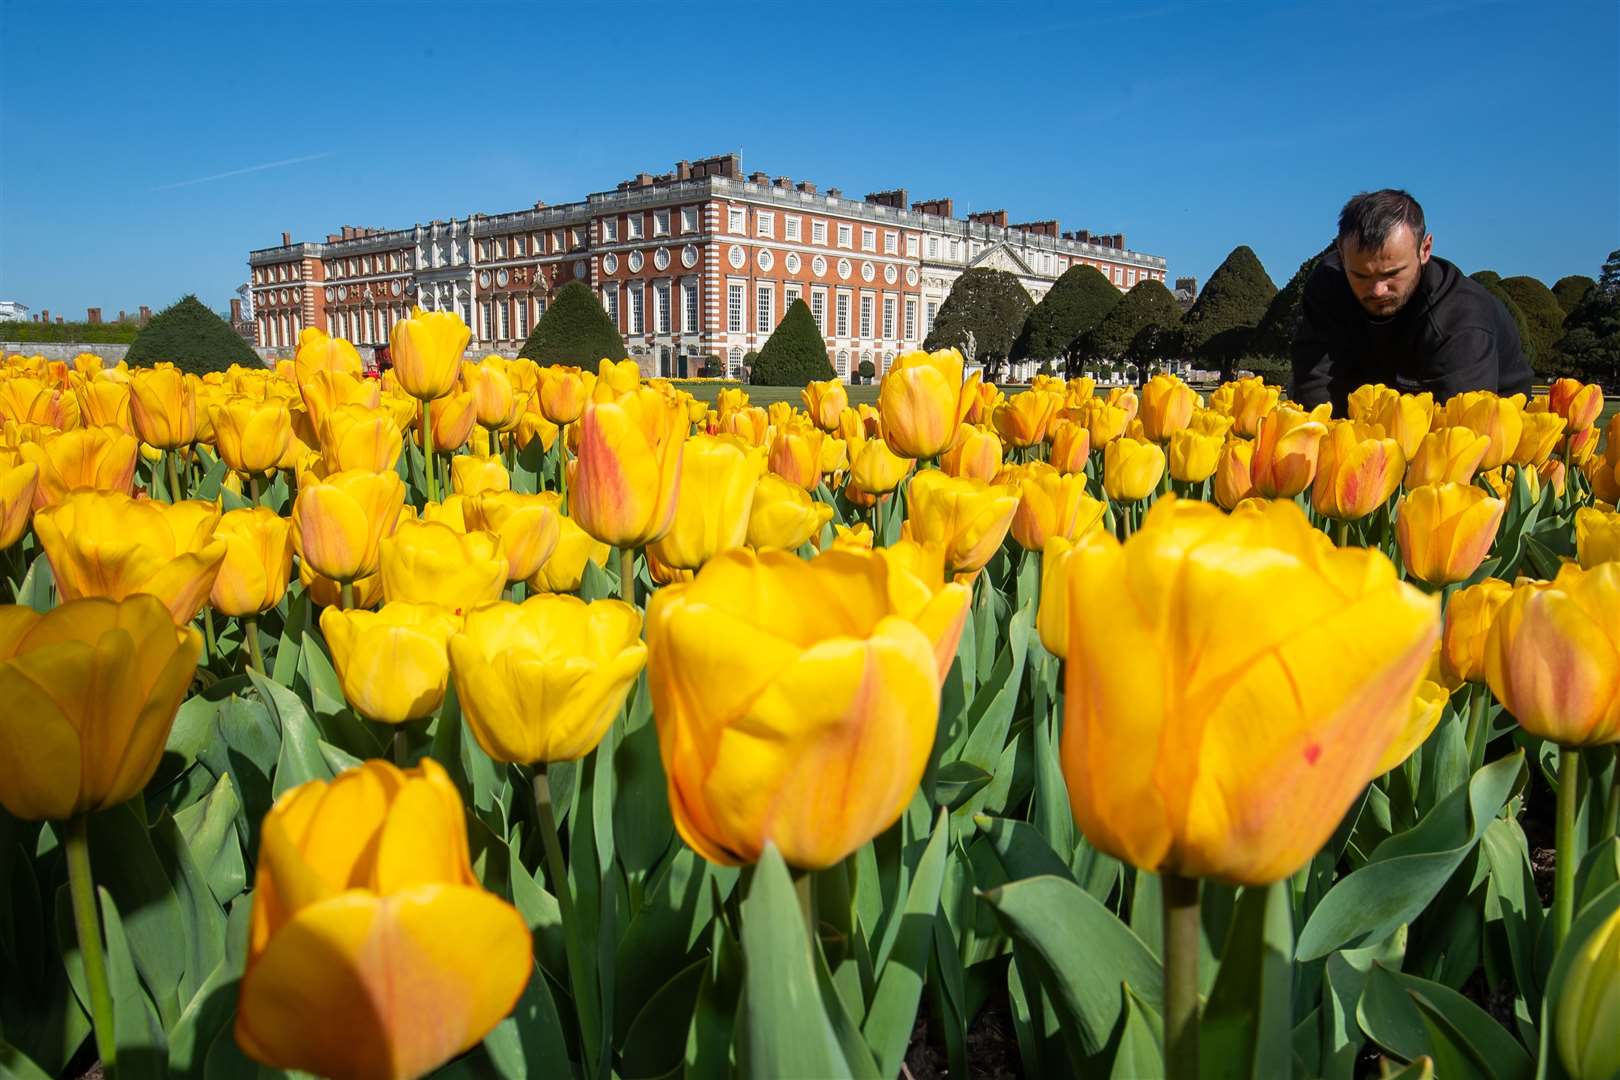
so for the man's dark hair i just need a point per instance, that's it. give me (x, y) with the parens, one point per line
(1368, 219)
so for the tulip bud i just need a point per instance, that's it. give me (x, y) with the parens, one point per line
(471, 474)
(1580, 404)
(1052, 616)
(1022, 419)
(258, 561)
(856, 538)
(1588, 1009)
(427, 350)
(1194, 456)
(163, 406)
(495, 402)
(565, 568)
(1167, 407)
(355, 437)
(251, 436)
(1468, 622)
(628, 476)
(1428, 707)
(1103, 422)
(454, 417)
(1131, 469)
(1233, 480)
(796, 454)
(1597, 537)
(1286, 448)
(969, 518)
(921, 400)
(1449, 456)
(976, 453)
(1406, 418)
(527, 527)
(394, 663)
(1071, 446)
(1499, 419)
(616, 377)
(1249, 400)
(1446, 530)
(338, 522)
(563, 392)
(105, 403)
(317, 352)
(876, 469)
(1541, 433)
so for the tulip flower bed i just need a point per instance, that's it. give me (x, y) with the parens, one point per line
(489, 720)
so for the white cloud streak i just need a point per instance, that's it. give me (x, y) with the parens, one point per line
(250, 169)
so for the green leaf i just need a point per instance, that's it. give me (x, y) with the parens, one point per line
(709, 1039)
(211, 1010)
(958, 781)
(1344, 976)
(785, 1028)
(676, 911)
(900, 982)
(1406, 871)
(642, 825)
(14, 1065)
(1140, 1047)
(1391, 1018)
(1453, 1056)
(1084, 949)
(38, 587)
(529, 1041)
(126, 864)
(1022, 851)
(1248, 1019)
(209, 829)
(299, 760)
(1512, 901)
(138, 1033)
(1586, 922)
(284, 668)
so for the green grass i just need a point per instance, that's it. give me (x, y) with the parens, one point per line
(764, 395)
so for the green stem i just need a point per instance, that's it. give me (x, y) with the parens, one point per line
(88, 928)
(402, 750)
(346, 596)
(562, 466)
(573, 945)
(427, 452)
(1181, 944)
(1341, 533)
(1479, 704)
(253, 487)
(250, 630)
(1611, 808)
(1569, 777)
(173, 472)
(627, 575)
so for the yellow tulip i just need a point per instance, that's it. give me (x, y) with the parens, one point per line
(1541, 433)
(1446, 530)
(495, 402)
(1052, 616)
(1132, 469)
(324, 592)
(563, 392)
(979, 401)
(323, 391)
(427, 349)
(1054, 504)
(968, 518)
(921, 400)
(471, 474)
(451, 511)
(454, 417)
(796, 451)
(825, 401)
(32, 401)
(105, 403)
(1167, 407)
(318, 352)
(108, 544)
(372, 949)
(1499, 419)
(1071, 446)
(1356, 471)
(1406, 418)
(1451, 455)
(1552, 658)
(355, 437)
(91, 688)
(338, 522)
(251, 436)
(1194, 455)
(729, 399)
(627, 478)
(719, 475)
(976, 453)
(1286, 448)
(1588, 1008)
(1368, 401)
(1597, 536)
(1103, 422)
(18, 482)
(565, 569)
(1233, 480)
(816, 737)
(1580, 404)
(856, 538)
(875, 468)
(1427, 709)
(1213, 728)
(750, 423)
(394, 663)
(783, 515)
(1250, 399)
(163, 406)
(615, 377)
(1468, 622)
(1022, 420)
(542, 680)
(258, 561)
(427, 562)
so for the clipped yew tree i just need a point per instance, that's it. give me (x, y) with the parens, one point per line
(1145, 321)
(794, 354)
(1543, 319)
(991, 305)
(1221, 323)
(1505, 298)
(192, 338)
(574, 331)
(1076, 302)
(1571, 290)
(1274, 335)
(1486, 278)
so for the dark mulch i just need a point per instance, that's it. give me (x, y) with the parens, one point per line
(992, 1047)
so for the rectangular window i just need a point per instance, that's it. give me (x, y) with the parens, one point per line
(556, 241)
(1130, 277)
(735, 219)
(841, 316)
(522, 314)
(933, 247)
(637, 299)
(633, 225)
(539, 308)
(846, 235)
(818, 232)
(891, 243)
(790, 293)
(660, 222)
(661, 306)
(1116, 275)
(911, 320)
(790, 227)
(762, 310)
(610, 230)
(485, 321)
(888, 316)
(818, 309)
(928, 316)
(911, 247)
(868, 239)
(610, 304)
(689, 219)
(734, 308)
(866, 316)
(500, 250)
(519, 244)
(503, 313)
(765, 224)
(690, 325)
(956, 250)
(577, 237)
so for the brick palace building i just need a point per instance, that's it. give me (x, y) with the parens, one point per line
(702, 261)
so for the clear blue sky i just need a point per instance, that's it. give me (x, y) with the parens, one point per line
(145, 148)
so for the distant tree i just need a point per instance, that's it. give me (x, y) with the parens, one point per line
(1486, 278)
(1591, 343)
(1274, 335)
(193, 338)
(991, 305)
(574, 331)
(1076, 302)
(1506, 299)
(1223, 319)
(1571, 290)
(795, 354)
(1543, 320)
(866, 371)
(1145, 318)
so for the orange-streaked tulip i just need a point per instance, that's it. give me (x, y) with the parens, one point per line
(565, 569)
(840, 697)
(1450, 455)
(875, 468)
(1022, 420)
(1446, 530)
(1251, 398)
(749, 423)
(825, 401)
(719, 475)
(1103, 422)
(393, 664)
(563, 392)
(1468, 621)
(976, 453)
(1194, 455)
(1286, 448)
(1552, 658)
(922, 401)
(355, 437)
(627, 480)
(796, 454)
(1167, 407)
(251, 436)
(527, 527)
(1406, 418)
(372, 949)
(100, 458)
(1132, 469)
(427, 562)
(454, 417)
(1233, 480)
(1054, 504)
(258, 561)
(1541, 433)
(1123, 397)
(1212, 731)
(338, 522)
(163, 406)
(1071, 446)
(18, 483)
(1356, 472)
(783, 515)
(542, 680)
(1580, 404)
(427, 349)
(969, 518)
(1499, 419)
(108, 544)
(980, 400)
(1597, 537)
(471, 475)
(91, 688)
(105, 403)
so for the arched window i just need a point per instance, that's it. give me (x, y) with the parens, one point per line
(843, 364)
(736, 362)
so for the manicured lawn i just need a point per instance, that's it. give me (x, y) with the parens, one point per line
(764, 395)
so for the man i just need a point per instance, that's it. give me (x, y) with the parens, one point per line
(1380, 308)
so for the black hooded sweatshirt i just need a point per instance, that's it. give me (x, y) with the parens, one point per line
(1451, 336)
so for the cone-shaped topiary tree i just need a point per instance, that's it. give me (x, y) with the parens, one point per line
(192, 338)
(1220, 323)
(1142, 325)
(1274, 336)
(1076, 302)
(574, 331)
(794, 354)
(991, 305)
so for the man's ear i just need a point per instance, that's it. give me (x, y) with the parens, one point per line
(1425, 249)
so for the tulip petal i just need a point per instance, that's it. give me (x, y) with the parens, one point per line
(34, 729)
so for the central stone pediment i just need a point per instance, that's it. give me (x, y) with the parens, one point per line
(1001, 257)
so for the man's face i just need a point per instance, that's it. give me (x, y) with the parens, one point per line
(1385, 279)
